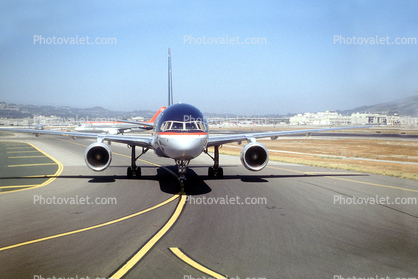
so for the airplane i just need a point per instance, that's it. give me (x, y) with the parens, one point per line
(180, 132)
(117, 126)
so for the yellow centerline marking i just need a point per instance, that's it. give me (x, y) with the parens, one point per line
(22, 151)
(176, 251)
(30, 185)
(52, 177)
(18, 157)
(31, 165)
(19, 186)
(91, 227)
(144, 250)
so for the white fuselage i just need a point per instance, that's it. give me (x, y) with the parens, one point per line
(181, 146)
(109, 127)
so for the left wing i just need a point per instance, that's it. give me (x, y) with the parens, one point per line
(219, 140)
(142, 125)
(131, 140)
(147, 125)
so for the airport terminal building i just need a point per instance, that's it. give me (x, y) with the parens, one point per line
(332, 118)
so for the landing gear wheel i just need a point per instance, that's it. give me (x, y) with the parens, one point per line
(215, 171)
(218, 173)
(181, 182)
(182, 168)
(211, 172)
(134, 172)
(138, 172)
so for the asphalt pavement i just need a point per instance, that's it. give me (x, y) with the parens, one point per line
(286, 221)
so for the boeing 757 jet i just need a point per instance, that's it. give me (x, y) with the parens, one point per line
(181, 133)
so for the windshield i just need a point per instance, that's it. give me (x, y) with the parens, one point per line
(191, 126)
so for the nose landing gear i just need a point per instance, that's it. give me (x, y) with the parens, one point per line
(182, 167)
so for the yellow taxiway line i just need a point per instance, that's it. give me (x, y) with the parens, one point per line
(31, 165)
(91, 227)
(176, 251)
(144, 250)
(52, 177)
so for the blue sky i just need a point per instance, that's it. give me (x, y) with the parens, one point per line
(297, 66)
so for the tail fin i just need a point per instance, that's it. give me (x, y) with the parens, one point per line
(156, 115)
(170, 84)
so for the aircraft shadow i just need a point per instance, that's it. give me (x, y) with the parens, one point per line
(166, 176)
(195, 184)
(264, 178)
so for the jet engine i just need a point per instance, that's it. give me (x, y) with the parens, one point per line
(254, 156)
(98, 156)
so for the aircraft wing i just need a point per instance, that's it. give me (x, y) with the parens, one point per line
(145, 125)
(132, 140)
(219, 140)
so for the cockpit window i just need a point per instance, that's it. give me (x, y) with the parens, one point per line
(183, 126)
(191, 126)
(177, 126)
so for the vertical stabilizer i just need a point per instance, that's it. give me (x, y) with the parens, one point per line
(170, 84)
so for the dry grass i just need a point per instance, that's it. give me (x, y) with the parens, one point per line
(322, 152)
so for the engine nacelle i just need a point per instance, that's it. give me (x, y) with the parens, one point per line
(98, 156)
(254, 156)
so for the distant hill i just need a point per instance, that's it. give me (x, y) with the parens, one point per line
(404, 107)
(22, 111)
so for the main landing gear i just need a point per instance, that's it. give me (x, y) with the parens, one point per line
(216, 170)
(133, 170)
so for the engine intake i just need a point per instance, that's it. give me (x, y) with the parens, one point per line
(98, 156)
(254, 156)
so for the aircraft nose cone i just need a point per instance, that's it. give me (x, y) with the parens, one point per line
(183, 147)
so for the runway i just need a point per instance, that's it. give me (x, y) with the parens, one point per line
(286, 221)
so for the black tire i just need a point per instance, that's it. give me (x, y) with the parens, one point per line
(211, 172)
(220, 173)
(138, 172)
